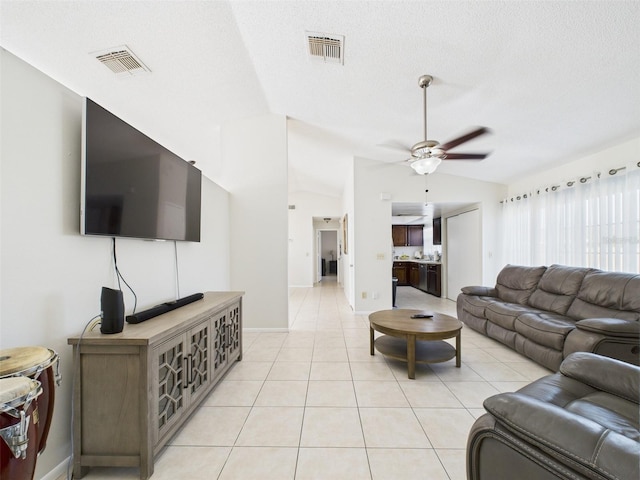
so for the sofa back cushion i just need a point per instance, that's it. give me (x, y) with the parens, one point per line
(607, 295)
(557, 288)
(516, 283)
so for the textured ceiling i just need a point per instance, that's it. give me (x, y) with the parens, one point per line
(553, 80)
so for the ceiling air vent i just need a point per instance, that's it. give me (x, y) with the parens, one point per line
(121, 61)
(325, 48)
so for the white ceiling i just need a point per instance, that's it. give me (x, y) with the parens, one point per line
(553, 80)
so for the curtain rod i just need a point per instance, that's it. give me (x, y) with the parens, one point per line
(570, 183)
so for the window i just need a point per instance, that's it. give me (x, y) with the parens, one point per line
(591, 222)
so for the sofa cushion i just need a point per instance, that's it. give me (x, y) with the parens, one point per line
(505, 314)
(557, 389)
(516, 283)
(546, 356)
(508, 337)
(557, 288)
(607, 294)
(548, 329)
(610, 411)
(475, 305)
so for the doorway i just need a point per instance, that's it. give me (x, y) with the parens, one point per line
(327, 254)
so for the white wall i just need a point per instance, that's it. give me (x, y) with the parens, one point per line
(51, 276)
(301, 240)
(254, 171)
(615, 156)
(373, 244)
(347, 264)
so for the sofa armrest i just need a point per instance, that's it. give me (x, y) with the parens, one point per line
(572, 439)
(612, 327)
(480, 291)
(587, 337)
(603, 373)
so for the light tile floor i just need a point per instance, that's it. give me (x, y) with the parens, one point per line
(314, 404)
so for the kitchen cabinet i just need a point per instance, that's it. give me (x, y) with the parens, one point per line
(434, 279)
(135, 389)
(414, 275)
(407, 235)
(437, 231)
(423, 276)
(422, 284)
(415, 234)
(401, 272)
(399, 235)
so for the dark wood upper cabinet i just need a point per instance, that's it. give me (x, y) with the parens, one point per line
(437, 231)
(399, 235)
(407, 235)
(415, 233)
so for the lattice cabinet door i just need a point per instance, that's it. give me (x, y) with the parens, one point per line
(219, 342)
(199, 361)
(171, 397)
(234, 333)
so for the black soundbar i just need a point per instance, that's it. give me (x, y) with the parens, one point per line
(163, 308)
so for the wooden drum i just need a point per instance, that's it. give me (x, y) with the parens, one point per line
(18, 432)
(37, 363)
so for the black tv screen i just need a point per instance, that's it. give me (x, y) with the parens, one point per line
(133, 186)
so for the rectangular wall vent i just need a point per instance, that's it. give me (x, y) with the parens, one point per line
(121, 61)
(292, 207)
(325, 48)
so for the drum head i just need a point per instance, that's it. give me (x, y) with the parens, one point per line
(21, 359)
(16, 388)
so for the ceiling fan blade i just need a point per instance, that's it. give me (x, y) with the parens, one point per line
(464, 138)
(465, 156)
(394, 145)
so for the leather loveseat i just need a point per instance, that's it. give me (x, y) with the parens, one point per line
(547, 313)
(580, 423)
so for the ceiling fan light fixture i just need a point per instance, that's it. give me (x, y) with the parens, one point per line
(426, 165)
(428, 154)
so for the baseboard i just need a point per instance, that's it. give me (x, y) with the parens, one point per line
(59, 471)
(265, 330)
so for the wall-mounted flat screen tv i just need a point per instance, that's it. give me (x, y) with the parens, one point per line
(132, 186)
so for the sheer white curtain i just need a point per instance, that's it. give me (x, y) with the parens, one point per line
(592, 221)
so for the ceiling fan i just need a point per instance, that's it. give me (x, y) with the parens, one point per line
(428, 154)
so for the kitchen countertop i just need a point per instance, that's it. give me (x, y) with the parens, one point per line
(415, 260)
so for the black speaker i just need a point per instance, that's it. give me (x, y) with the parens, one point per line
(112, 306)
(163, 308)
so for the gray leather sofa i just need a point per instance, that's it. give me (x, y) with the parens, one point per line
(547, 313)
(579, 423)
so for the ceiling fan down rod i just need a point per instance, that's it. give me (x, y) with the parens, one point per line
(424, 82)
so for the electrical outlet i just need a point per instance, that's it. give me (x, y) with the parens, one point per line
(375, 295)
(364, 295)
(380, 256)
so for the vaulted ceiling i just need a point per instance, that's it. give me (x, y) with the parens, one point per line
(554, 80)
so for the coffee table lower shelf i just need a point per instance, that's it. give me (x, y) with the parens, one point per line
(427, 351)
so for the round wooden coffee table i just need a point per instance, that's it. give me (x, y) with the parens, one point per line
(416, 340)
